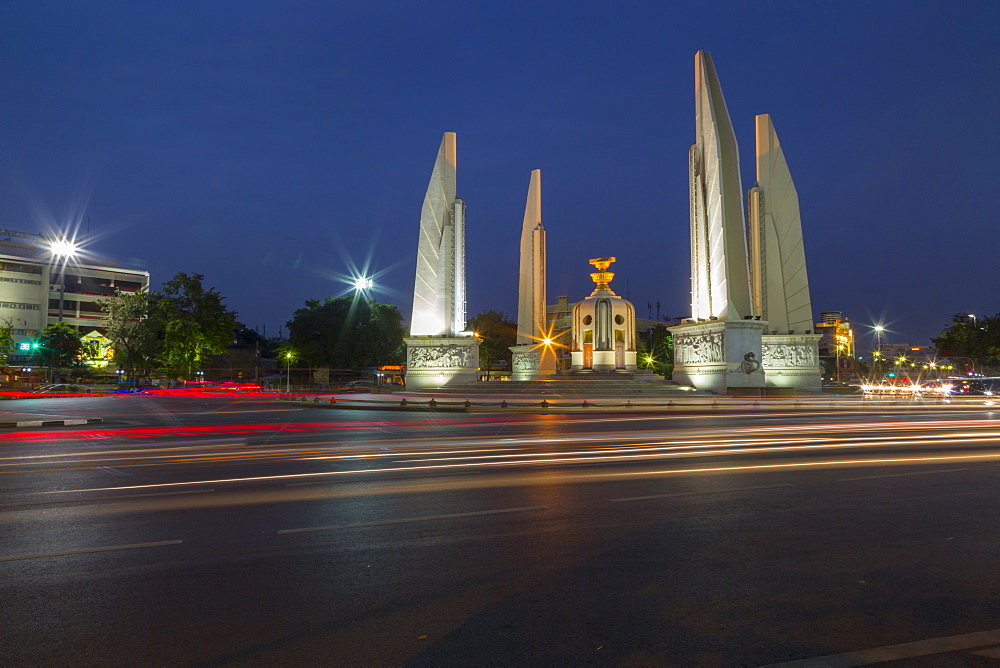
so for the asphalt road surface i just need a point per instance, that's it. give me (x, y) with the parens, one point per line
(211, 531)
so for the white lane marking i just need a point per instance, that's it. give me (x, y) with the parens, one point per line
(415, 519)
(908, 650)
(710, 491)
(900, 475)
(105, 498)
(91, 549)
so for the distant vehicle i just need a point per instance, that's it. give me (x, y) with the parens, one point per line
(61, 388)
(187, 389)
(971, 386)
(359, 386)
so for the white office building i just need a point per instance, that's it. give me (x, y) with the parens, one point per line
(34, 282)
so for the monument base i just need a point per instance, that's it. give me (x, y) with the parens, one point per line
(532, 362)
(792, 361)
(433, 362)
(719, 356)
(603, 361)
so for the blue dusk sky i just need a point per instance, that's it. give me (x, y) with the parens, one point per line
(279, 147)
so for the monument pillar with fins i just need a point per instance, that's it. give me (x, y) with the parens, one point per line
(534, 355)
(439, 352)
(779, 282)
(719, 348)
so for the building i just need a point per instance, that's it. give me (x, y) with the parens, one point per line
(837, 336)
(837, 342)
(35, 291)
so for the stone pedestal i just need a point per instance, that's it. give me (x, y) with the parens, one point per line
(532, 362)
(433, 362)
(719, 356)
(792, 361)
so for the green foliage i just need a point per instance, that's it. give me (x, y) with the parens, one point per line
(658, 344)
(60, 346)
(176, 329)
(977, 338)
(6, 340)
(137, 335)
(196, 324)
(347, 332)
(498, 333)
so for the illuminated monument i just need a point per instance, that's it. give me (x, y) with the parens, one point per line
(533, 356)
(438, 351)
(728, 343)
(719, 347)
(779, 282)
(603, 327)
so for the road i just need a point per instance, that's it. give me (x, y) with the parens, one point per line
(210, 531)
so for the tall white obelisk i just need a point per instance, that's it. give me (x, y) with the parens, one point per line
(438, 351)
(534, 355)
(779, 282)
(719, 347)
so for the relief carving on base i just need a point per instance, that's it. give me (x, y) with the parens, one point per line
(788, 355)
(439, 357)
(526, 361)
(698, 349)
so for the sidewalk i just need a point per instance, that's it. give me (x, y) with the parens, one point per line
(41, 420)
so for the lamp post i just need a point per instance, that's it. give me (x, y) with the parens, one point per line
(288, 372)
(65, 250)
(878, 342)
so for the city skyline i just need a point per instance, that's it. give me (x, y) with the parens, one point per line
(280, 149)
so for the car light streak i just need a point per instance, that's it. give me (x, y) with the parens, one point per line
(831, 463)
(738, 446)
(983, 456)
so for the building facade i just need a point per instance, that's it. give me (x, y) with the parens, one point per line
(37, 290)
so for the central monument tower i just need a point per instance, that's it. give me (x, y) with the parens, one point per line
(603, 327)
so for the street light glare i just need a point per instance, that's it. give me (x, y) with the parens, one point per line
(63, 248)
(362, 283)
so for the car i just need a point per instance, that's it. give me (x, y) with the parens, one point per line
(61, 388)
(359, 386)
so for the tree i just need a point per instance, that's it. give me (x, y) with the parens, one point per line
(347, 332)
(60, 346)
(196, 324)
(657, 351)
(498, 333)
(136, 332)
(977, 338)
(6, 340)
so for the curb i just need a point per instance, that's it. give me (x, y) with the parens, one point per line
(53, 423)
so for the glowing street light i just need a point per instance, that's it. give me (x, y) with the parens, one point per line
(288, 371)
(362, 283)
(65, 250)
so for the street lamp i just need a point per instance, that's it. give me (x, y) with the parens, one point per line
(363, 283)
(288, 372)
(65, 250)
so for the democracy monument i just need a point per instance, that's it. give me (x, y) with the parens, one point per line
(750, 327)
